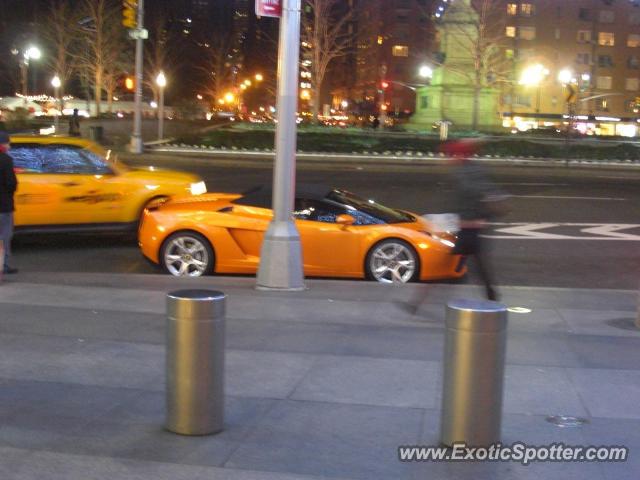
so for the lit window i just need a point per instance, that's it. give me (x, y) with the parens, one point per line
(602, 104)
(512, 9)
(527, 33)
(400, 51)
(527, 9)
(606, 16)
(584, 36)
(604, 83)
(606, 39)
(632, 84)
(510, 32)
(633, 40)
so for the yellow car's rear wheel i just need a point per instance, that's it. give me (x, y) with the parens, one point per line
(392, 261)
(187, 254)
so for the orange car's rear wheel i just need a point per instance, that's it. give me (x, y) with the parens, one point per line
(187, 254)
(392, 261)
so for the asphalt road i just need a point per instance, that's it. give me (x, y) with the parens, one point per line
(566, 228)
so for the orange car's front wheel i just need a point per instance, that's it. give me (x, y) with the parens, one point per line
(392, 261)
(187, 254)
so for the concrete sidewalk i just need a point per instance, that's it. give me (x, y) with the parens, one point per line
(321, 384)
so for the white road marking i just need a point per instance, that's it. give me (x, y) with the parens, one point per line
(534, 184)
(559, 197)
(618, 177)
(528, 231)
(531, 231)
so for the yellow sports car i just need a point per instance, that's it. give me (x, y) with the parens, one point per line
(73, 184)
(342, 235)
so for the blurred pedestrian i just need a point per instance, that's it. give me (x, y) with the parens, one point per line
(476, 201)
(74, 124)
(8, 186)
(375, 123)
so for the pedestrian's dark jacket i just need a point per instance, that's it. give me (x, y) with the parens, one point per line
(473, 192)
(8, 183)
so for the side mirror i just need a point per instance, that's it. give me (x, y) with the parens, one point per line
(345, 219)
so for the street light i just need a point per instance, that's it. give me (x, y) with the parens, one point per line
(31, 53)
(565, 76)
(533, 76)
(425, 71)
(56, 84)
(259, 77)
(161, 81)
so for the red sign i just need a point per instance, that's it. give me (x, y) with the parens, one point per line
(268, 8)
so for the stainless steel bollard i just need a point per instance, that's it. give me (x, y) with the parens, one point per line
(474, 355)
(195, 361)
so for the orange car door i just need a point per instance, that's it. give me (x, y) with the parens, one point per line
(327, 247)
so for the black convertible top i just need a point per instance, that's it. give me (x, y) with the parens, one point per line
(262, 196)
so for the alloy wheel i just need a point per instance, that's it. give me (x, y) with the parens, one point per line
(186, 256)
(392, 262)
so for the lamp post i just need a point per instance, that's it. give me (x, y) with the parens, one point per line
(533, 76)
(137, 145)
(161, 81)
(56, 83)
(31, 53)
(281, 252)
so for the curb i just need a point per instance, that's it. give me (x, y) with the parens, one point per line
(386, 157)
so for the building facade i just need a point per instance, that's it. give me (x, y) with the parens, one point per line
(573, 57)
(392, 39)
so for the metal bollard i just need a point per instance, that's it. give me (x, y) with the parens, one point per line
(195, 361)
(474, 355)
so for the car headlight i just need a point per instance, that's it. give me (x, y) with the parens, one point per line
(443, 241)
(198, 188)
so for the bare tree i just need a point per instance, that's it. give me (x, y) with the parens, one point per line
(217, 66)
(61, 39)
(161, 51)
(101, 43)
(476, 29)
(327, 35)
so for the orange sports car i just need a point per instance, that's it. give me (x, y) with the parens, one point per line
(342, 235)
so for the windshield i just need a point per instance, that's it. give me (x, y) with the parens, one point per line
(370, 207)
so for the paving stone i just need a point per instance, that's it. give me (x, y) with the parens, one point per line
(333, 440)
(609, 393)
(371, 381)
(265, 374)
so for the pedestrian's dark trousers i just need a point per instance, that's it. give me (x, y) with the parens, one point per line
(470, 243)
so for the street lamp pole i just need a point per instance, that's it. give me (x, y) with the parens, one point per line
(29, 53)
(136, 137)
(281, 253)
(161, 81)
(56, 83)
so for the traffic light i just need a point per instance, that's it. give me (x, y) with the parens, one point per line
(130, 13)
(384, 84)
